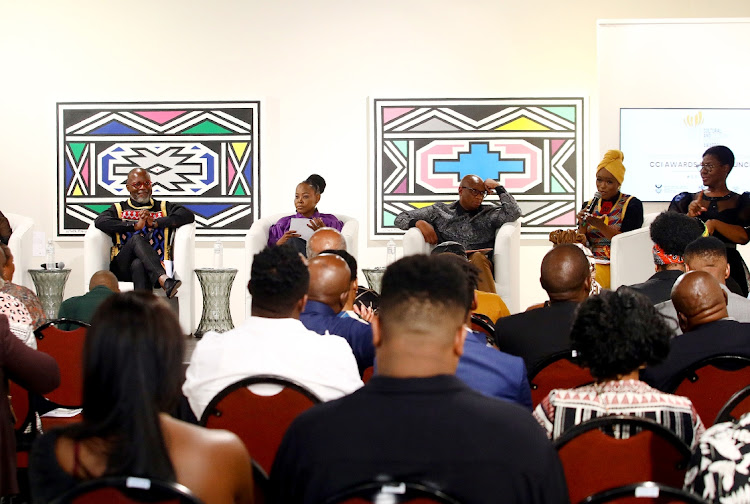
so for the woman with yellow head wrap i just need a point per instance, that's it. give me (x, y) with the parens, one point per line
(613, 214)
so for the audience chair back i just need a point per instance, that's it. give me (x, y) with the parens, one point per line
(735, 407)
(645, 491)
(558, 371)
(24, 416)
(126, 490)
(261, 486)
(711, 382)
(595, 461)
(391, 493)
(483, 324)
(259, 420)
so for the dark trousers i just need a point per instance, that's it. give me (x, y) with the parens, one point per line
(137, 262)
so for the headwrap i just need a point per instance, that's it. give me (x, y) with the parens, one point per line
(612, 162)
(661, 258)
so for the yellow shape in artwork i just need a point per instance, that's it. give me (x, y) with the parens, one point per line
(77, 191)
(523, 124)
(239, 148)
(422, 204)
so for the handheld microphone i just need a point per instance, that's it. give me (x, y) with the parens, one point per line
(53, 266)
(594, 202)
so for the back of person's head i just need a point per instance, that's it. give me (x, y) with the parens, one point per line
(317, 182)
(350, 261)
(565, 273)
(708, 254)
(278, 279)
(671, 232)
(723, 154)
(423, 299)
(617, 332)
(325, 238)
(132, 371)
(470, 271)
(698, 299)
(105, 278)
(329, 281)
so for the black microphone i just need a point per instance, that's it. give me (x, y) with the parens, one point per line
(59, 265)
(594, 202)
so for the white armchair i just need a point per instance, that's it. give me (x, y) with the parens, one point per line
(20, 243)
(96, 248)
(631, 260)
(257, 239)
(507, 259)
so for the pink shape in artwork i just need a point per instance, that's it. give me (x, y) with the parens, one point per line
(442, 151)
(390, 113)
(230, 171)
(533, 163)
(160, 116)
(85, 172)
(566, 219)
(555, 145)
(401, 189)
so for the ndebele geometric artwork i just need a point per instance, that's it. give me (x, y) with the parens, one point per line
(532, 146)
(204, 156)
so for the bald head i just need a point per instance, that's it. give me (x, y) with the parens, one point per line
(325, 239)
(566, 275)
(329, 281)
(105, 278)
(698, 299)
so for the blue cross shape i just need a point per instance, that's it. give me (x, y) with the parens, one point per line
(479, 161)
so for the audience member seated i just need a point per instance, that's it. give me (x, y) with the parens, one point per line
(102, 285)
(15, 310)
(709, 254)
(23, 294)
(326, 297)
(306, 199)
(272, 340)
(352, 309)
(5, 229)
(484, 368)
(615, 335)
(671, 232)
(539, 333)
(325, 239)
(718, 471)
(414, 419)
(141, 230)
(613, 214)
(132, 369)
(701, 307)
(467, 222)
(36, 372)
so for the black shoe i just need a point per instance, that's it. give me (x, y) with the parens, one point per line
(170, 287)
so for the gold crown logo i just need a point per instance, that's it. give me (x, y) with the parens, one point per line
(693, 120)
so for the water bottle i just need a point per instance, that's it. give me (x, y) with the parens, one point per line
(390, 252)
(218, 254)
(50, 264)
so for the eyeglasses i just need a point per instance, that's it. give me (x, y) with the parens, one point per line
(708, 167)
(141, 185)
(474, 192)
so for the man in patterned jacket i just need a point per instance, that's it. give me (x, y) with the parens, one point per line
(466, 221)
(141, 229)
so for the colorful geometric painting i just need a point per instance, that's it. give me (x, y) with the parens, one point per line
(532, 146)
(204, 156)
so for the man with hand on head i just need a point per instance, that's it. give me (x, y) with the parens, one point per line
(466, 221)
(141, 229)
(415, 420)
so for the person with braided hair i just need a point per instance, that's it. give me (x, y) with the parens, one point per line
(306, 199)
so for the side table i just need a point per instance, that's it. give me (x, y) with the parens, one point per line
(216, 284)
(50, 286)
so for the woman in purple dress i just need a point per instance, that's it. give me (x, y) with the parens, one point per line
(306, 199)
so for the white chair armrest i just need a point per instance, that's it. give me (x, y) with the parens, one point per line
(96, 248)
(414, 243)
(184, 267)
(350, 231)
(21, 244)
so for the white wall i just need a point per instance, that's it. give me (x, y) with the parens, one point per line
(314, 64)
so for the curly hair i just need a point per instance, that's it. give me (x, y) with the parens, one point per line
(317, 182)
(706, 246)
(723, 154)
(672, 231)
(278, 278)
(614, 333)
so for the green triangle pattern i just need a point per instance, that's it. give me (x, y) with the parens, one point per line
(97, 208)
(556, 187)
(206, 128)
(77, 149)
(568, 113)
(388, 218)
(239, 191)
(403, 146)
